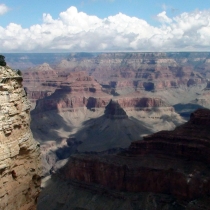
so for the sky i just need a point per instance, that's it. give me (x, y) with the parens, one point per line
(104, 25)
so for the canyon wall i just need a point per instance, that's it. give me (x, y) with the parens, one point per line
(166, 170)
(142, 71)
(169, 162)
(119, 73)
(19, 152)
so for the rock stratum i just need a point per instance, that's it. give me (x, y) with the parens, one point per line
(180, 79)
(173, 163)
(122, 73)
(20, 165)
(138, 71)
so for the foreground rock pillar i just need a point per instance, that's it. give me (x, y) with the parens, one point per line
(19, 152)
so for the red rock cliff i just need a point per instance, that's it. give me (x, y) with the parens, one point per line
(174, 162)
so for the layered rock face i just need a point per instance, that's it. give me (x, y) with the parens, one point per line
(75, 90)
(175, 163)
(190, 141)
(141, 71)
(35, 79)
(141, 102)
(173, 77)
(19, 153)
(119, 72)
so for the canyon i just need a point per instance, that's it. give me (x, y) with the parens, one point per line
(165, 170)
(112, 131)
(176, 78)
(126, 72)
(157, 91)
(75, 117)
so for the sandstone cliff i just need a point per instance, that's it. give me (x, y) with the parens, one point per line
(19, 153)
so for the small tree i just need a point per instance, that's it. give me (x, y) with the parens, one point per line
(19, 72)
(2, 61)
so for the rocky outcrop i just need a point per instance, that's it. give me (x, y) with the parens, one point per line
(43, 81)
(75, 91)
(190, 141)
(175, 163)
(19, 153)
(35, 76)
(35, 82)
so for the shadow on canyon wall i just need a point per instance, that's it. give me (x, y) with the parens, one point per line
(45, 125)
(103, 134)
(65, 195)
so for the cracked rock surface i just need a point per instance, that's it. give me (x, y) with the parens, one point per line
(19, 152)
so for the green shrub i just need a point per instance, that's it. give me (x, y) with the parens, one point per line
(19, 72)
(2, 61)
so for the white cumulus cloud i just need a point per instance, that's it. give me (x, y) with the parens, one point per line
(78, 31)
(3, 9)
(162, 17)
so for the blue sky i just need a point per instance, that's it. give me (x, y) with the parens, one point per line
(27, 12)
(161, 25)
